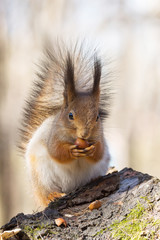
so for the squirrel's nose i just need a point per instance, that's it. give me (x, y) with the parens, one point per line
(84, 134)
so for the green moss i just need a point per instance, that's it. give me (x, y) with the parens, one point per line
(100, 232)
(34, 232)
(137, 225)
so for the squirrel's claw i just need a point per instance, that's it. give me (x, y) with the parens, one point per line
(73, 147)
(54, 195)
(76, 152)
(90, 148)
(79, 154)
(90, 151)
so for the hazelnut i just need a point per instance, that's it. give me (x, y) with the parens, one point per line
(81, 143)
(95, 205)
(60, 221)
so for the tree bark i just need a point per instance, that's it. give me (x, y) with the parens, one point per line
(130, 210)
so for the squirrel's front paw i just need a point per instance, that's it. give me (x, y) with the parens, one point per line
(86, 152)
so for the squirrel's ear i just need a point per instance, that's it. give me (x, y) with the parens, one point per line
(69, 90)
(96, 77)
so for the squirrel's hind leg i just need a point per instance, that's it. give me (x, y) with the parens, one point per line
(54, 195)
(42, 195)
(44, 200)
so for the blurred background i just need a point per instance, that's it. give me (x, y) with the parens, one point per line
(125, 30)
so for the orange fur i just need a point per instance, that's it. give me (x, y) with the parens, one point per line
(52, 196)
(61, 153)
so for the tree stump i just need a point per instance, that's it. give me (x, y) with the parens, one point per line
(130, 209)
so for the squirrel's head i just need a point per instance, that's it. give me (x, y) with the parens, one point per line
(80, 112)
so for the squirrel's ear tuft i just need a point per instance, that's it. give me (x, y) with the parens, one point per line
(96, 77)
(69, 92)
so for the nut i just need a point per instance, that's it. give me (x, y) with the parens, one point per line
(95, 205)
(60, 221)
(81, 143)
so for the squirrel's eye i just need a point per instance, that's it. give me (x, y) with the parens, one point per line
(97, 118)
(71, 116)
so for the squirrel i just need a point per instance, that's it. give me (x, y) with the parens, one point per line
(62, 133)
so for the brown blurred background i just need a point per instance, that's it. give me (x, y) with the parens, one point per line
(128, 31)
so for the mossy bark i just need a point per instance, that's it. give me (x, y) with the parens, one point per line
(130, 210)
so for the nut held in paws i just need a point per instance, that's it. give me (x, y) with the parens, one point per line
(81, 143)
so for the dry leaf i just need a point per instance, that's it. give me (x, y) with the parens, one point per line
(7, 234)
(95, 205)
(60, 221)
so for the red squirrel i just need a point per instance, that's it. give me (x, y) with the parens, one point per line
(62, 131)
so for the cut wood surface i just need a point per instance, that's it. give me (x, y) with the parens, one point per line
(128, 208)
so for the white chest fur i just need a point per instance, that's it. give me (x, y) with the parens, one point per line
(54, 176)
